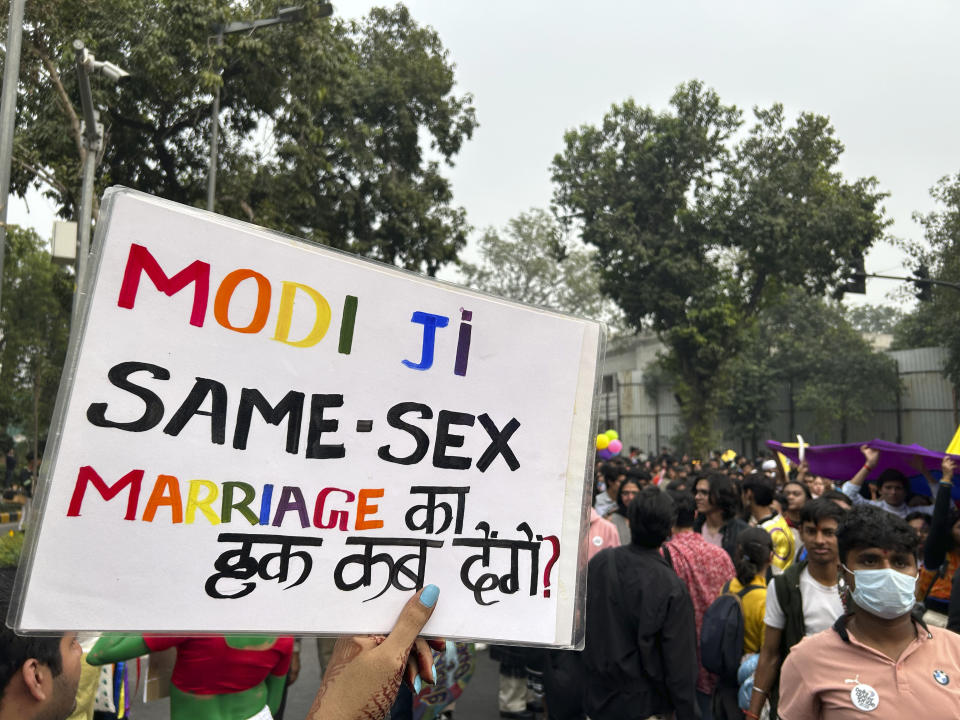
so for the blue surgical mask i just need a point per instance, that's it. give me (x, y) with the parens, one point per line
(886, 592)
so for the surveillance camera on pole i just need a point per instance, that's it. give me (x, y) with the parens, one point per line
(92, 142)
(113, 72)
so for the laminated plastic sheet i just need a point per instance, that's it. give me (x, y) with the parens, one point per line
(256, 434)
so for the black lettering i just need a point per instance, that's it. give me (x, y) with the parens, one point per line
(498, 444)
(318, 426)
(153, 410)
(395, 419)
(191, 406)
(292, 405)
(395, 568)
(446, 439)
(240, 565)
(431, 509)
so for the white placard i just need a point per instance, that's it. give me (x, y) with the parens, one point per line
(251, 431)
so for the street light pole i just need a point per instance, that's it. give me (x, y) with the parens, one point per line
(8, 113)
(284, 15)
(214, 130)
(92, 144)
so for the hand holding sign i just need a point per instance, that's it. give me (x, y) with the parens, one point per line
(365, 673)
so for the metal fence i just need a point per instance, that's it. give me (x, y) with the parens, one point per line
(927, 411)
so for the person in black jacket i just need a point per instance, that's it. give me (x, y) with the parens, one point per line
(640, 655)
(941, 556)
(718, 505)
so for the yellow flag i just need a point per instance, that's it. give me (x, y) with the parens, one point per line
(954, 447)
(784, 462)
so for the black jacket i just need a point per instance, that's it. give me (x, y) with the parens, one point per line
(730, 530)
(640, 654)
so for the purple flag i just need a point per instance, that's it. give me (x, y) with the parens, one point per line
(841, 462)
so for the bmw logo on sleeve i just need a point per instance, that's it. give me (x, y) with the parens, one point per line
(941, 677)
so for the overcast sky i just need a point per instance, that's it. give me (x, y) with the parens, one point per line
(884, 72)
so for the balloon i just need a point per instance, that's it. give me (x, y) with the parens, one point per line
(605, 454)
(602, 442)
(612, 434)
(615, 446)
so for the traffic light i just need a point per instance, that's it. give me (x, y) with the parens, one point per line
(856, 281)
(923, 288)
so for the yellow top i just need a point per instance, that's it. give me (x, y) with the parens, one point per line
(754, 606)
(784, 545)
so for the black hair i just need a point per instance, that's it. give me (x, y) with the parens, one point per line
(762, 488)
(636, 474)
(723, 494)
(834, 495)
(869, 526)
(754, 546)
(622, 506)
(806, 490)
(611, 471)
(16, 650)
(652, 517)
(893, 475)
(916, 514)
(685, 505)
(816, 510)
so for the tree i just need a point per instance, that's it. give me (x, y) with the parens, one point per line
(333, 130)
(530, 262)
(698, 232)
(748, 409)
(829, 368)
(934, 323)
(34, 327)
(874, 318)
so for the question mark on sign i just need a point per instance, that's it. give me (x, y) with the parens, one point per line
(555, 542)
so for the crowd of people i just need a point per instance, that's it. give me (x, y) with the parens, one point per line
(741, 589)
(723, 590)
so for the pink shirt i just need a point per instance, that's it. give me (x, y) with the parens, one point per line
(601, 534)
(826, 677)
(704, 568)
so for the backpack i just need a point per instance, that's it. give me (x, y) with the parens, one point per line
(721, 635)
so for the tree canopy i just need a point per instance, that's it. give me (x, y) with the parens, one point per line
(334, 130)
(529, 261)
(874, 318)
(807, 347)
(933, 323)
(34, 328)
(700, 225)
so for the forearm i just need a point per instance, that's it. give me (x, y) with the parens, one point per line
(275, 685)
(115, 648)
(852, 491)
(953, 618)
(763, 678)
(860, 476)
(935, 549)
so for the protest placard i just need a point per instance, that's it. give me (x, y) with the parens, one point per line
(257, 434)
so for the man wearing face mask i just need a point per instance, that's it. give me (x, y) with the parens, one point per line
(877, 659)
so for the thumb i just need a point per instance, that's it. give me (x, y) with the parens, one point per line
(413, 617)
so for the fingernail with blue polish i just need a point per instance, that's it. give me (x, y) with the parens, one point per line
(433, 673)
(428, 598)
(417, 684)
